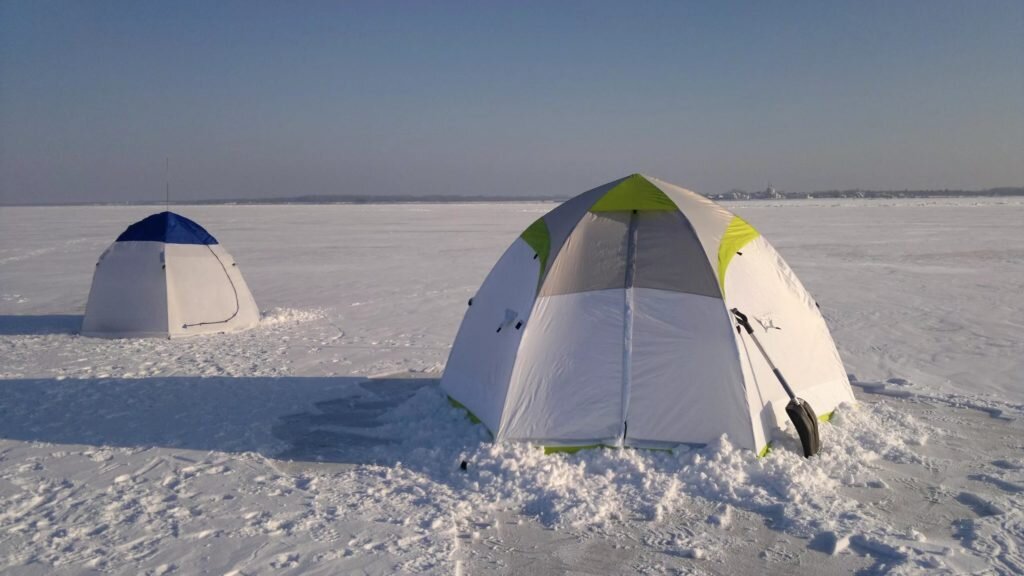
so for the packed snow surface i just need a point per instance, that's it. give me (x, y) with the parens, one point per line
(320, 443)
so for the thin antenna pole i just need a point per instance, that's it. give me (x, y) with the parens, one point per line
(167, 182)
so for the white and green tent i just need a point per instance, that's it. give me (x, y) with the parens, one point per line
(607, 323)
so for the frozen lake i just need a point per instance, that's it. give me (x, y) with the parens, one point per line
(319, 443)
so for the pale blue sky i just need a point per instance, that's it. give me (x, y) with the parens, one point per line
(256, 99)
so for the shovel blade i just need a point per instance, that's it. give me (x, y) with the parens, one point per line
(806, 423)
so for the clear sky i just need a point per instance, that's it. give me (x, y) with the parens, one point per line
(257, 99)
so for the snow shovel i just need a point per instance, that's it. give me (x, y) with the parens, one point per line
(799, 411)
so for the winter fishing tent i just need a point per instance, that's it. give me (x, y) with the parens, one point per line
(165, 276)
(607, 322)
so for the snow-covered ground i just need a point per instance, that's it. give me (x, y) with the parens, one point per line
(319, 443)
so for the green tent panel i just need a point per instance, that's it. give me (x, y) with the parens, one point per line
(634, 193)
(538, 237)
(736, 236)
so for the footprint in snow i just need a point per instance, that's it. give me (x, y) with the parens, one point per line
(997, 482)
(1007, 465)
(979, 505)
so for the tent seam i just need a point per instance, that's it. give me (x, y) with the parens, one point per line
(627, 323)
(167, 288)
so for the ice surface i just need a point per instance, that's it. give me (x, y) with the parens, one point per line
(320, 442)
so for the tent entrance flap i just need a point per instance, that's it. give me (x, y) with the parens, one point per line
(234, 291)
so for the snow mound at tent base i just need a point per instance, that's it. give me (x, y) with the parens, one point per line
(410, 451)
(350, 475)
(277, 316)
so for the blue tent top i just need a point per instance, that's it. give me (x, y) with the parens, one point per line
(167, 227)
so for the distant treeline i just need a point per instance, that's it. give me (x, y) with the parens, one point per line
(316, 199)
(772, 194)
(381, 199)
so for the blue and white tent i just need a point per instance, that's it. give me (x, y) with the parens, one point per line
(166, 276)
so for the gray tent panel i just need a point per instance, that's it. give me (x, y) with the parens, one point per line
(593, 258)
(563, 220)
(670, 257)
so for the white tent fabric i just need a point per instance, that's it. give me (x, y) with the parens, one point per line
(165, 276)
(608, 323)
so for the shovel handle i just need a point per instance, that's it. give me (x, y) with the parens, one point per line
(800, 413)
(792, 395)
(743, 321)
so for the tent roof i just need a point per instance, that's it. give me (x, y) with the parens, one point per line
(167, 227)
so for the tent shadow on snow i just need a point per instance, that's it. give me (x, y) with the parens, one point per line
(345, 430)
(346, 420)
(207, 413)
(28, 325)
